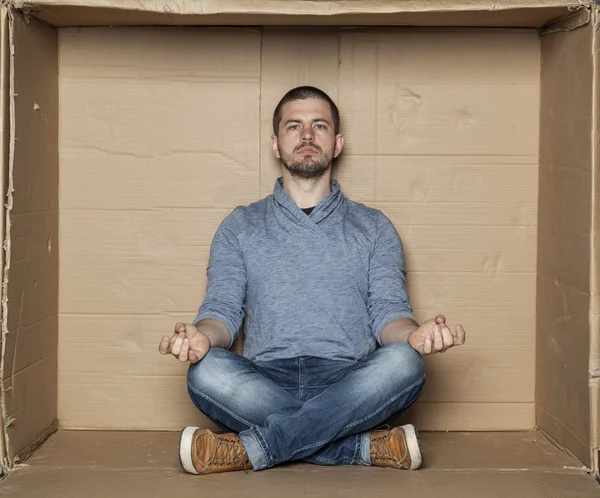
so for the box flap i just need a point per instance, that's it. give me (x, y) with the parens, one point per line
(514, 13)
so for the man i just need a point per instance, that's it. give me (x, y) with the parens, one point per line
(320, 280)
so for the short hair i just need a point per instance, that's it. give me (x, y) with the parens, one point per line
(303, 93)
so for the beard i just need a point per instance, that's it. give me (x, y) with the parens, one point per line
(309, 167)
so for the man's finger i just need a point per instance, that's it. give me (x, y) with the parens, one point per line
(163, 347)
(440, 319)
(455, 333)
(200, 353)
(460, 335)
(427, 345)
(446, 337)
(196, 355)
(438, 342)
(176, 347)
(179, 327)
(185, 349)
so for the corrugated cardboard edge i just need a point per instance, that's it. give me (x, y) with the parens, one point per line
(595, 252)
(8, 71)
(476, 13)
(208, 7)
(4, 144)
(578, 17)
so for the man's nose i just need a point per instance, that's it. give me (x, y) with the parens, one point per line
(308, 134)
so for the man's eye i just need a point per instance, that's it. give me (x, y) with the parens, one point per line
(320, 127)
(294, 127)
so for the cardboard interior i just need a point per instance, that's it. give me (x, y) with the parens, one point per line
(485, 139)
(138, 464)
(565, 204)
(147, 114)
(195, 156)
(30, 283)
(508, 13)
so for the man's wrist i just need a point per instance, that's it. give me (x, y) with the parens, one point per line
(217, 333)
(398, 330)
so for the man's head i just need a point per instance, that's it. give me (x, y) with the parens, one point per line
(306, 134)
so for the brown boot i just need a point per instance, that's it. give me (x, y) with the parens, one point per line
(399, 448)
(204, 452)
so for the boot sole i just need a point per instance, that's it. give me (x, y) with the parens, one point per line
(413, 442)
(185, 449)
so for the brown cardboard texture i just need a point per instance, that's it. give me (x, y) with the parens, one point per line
(595, 266)
(481, 144)
(5, 141)
(123, 288)
(30, 285)
(565, 211)
(89, 463)
(507, 13)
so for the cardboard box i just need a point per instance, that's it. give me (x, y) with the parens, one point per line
(474, 127)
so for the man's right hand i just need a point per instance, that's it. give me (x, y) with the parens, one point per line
(186, 344)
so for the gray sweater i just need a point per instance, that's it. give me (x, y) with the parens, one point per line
(323, 284)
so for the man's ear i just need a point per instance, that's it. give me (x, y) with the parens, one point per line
(339, 145)
(274, 147)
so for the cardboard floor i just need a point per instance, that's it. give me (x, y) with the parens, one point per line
(131, 464)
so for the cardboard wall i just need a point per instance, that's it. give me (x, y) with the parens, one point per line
(433, 142)
(159, 141)
(564, 258)
(165, 130)
(30, 280)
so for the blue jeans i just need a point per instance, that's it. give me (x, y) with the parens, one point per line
(307, 408)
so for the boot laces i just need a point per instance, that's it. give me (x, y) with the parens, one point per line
(229, 452)
(381, 449)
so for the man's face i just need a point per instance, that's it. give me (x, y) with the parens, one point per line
(306, 141)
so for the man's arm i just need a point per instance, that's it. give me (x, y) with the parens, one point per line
(398, 330)
(220, 315)
(388, 302)
(389, 305)
(222, 311)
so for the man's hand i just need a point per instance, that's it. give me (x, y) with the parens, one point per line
(434, 336)
(186, 344)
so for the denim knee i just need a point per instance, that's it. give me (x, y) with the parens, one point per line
(400, 357)
(211, 375)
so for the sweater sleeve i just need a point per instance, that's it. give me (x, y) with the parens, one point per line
(387, 295)
(226, 288)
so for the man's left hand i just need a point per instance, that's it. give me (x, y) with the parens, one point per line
(434, 336)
